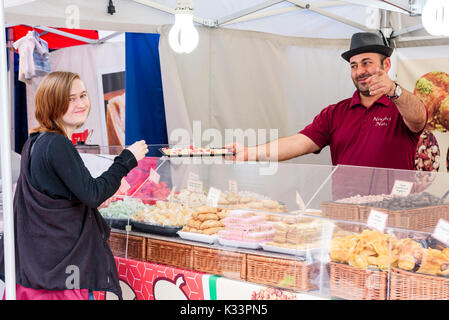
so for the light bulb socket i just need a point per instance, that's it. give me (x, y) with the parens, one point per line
(416, 7)
(184, 7)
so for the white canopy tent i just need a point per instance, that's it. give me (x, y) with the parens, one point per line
(293, 18)
(299, 18)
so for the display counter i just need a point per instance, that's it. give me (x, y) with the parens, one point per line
(256, 266)
(323, 231)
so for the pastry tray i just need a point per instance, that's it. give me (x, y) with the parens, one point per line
(309, 252)
(198, 237)
(118, 223)
(152, 228)
(230, 153)
(239, 244)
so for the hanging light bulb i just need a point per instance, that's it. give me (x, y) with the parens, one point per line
(183, 36)
(435, 17)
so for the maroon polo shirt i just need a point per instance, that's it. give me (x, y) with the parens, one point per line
(360, 136)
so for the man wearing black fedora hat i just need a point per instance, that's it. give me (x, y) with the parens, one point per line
(379, 126)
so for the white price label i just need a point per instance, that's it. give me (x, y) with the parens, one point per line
(299, 201)
(377, 220)
(441, 232)
(154, 176)
(213, 196)
(402, 188)
(193, 176)
(233, 187)
(195, 186)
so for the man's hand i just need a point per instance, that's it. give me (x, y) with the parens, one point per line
(411, 108)
(380, 84)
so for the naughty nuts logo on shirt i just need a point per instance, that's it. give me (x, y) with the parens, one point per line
(381, 121)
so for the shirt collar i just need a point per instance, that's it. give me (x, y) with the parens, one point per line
(355, 100)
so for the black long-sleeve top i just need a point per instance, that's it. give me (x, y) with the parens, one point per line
(57, 170)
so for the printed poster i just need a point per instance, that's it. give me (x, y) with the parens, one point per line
(113, 85)
(425, 72)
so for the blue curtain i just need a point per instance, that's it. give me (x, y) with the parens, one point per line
(20, 104)
(145, 111)
(20, 109)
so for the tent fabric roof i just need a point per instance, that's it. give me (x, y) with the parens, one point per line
(323, 19)
(131, 16)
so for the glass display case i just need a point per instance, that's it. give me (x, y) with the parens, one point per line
(308, 231)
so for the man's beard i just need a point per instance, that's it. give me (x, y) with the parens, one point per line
(363, 91)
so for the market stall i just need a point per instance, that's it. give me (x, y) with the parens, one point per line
(321, 233)
(184, 104)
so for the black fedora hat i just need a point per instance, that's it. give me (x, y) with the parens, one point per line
(362, 42)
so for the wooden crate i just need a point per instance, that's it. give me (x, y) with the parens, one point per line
(220, 262)
(285, 273)
(170, 253)
(124, 245)
(352, 283)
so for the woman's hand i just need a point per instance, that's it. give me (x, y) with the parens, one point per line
(241, 153)
(139, 149)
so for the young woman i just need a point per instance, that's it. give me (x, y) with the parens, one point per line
(60, 237)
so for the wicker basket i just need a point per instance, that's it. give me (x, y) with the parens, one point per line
(351, 283)
(345, 212)
(418, 219)
(340, 211)
(220, 262)
(285, 273)
(170, 253)
(406, 285)
(136, 246)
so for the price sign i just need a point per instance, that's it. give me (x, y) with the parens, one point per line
(213, 196)
(193, 176)
(402, 188)
(377, 220)
(195, 186)
(154, 176)
(441, 232)
(233, 188)
(300, 201)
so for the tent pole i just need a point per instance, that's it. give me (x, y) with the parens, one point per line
(66, 34)
(115, 34)
(248, 11)
(311, 7)
(408, 30)
(62, 33)
(5, 134)
(274, 12)
(254, 16)
(11, 84)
